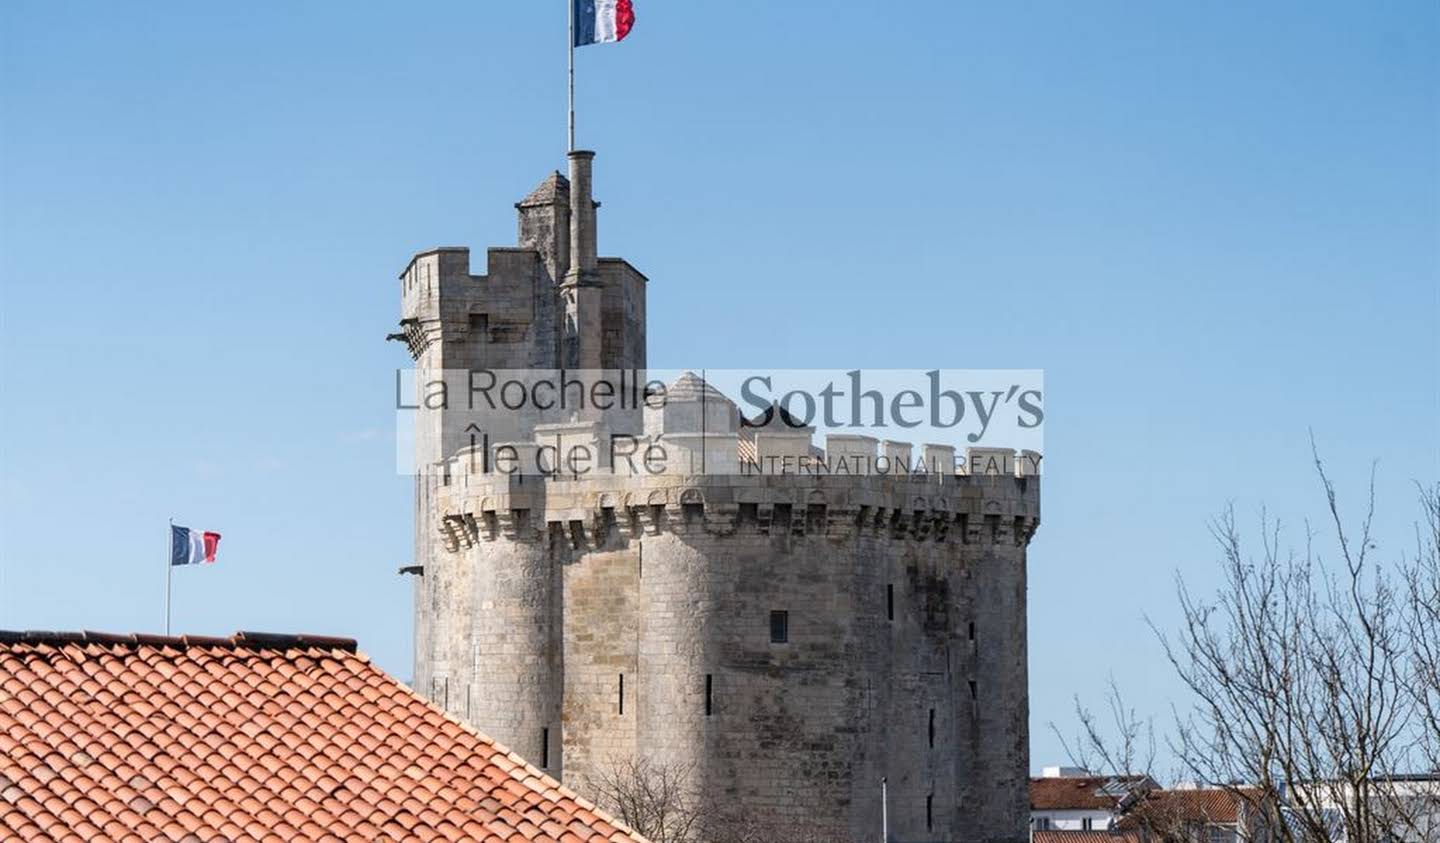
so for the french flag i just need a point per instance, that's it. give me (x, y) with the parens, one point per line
(192, 547)
(602, 21)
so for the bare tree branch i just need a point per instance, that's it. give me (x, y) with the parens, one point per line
(1314, 682)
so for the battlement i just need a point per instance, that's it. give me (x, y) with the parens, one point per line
(528, 308)
(599, 511)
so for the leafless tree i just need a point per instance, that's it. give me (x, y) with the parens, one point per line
(654, 798)
(1315, 678)
(1304, 669)
(1422, 619)
(660, 801)
(1422, 579)
(1123, 747)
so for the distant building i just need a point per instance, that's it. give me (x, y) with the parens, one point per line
(1407, 807)
(255, 737)
(1111, 836)
(1072, 799)
(1198, 815)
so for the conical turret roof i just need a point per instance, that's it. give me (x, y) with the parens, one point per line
(691, 387)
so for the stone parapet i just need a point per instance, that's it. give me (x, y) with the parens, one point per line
(599, 511)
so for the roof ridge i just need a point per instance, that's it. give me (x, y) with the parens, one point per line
(253, 640)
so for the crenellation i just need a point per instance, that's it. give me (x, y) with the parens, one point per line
(786, 508)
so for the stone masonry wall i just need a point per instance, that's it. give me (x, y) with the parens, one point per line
(672, 580)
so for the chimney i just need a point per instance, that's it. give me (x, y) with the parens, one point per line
(581, 290)
(582, 218)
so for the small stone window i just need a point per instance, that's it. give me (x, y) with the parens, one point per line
(622, 694)
(890, 601)
(930, 812)
(480, 325)
(779, 627)
(932, 728)
(972, 630)
(709, 694)
(545, 748)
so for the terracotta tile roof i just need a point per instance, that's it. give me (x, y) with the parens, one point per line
(256, 737)
(1207, 806)
(1081, 793)
(1060, 836)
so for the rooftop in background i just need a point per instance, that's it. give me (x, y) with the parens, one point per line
(1205, 806)
(1056, 836)
(258, 736)
(1084, 792)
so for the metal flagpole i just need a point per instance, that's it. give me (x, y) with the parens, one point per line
(571, 148)
(169, 552)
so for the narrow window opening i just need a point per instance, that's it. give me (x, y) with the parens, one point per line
(932, 728)
(779, 627)
(545, 748)
(974, 691)
(972, 630)
(479, 324)
(890, 601)
(622, 694)
(930, 812)
(709, 694)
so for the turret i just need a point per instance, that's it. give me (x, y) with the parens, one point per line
(545, 224)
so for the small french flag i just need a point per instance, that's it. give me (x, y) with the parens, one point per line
(602, 21)
(192, 547)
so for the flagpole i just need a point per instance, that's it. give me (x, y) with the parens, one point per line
(572, 75)
(169, 551)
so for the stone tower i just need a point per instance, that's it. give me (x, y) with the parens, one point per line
(785, 640)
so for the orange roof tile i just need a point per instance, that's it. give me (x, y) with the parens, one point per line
(1219, 806)
(265, 737)
(1084, 793)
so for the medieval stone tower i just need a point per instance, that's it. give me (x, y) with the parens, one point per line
(787, 641)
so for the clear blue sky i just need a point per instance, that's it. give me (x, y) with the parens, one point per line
(1213, 225)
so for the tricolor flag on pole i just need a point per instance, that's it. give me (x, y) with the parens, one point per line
(602, 21)
(595, 22)
(192, 547)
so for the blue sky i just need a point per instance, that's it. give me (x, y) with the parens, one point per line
(1214, 226)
